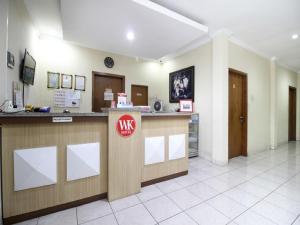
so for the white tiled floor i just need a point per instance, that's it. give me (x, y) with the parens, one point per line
(260, 189)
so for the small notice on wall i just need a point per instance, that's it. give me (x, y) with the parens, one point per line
(17, 94)
(67, 99)
(108, 95)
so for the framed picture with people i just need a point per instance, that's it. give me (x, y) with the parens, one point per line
(181, 85)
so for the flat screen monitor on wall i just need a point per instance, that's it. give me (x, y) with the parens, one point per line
(28, 70)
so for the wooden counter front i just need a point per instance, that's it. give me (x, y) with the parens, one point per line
(124, 158)
(165, 126)
(122, 171)
(32, 135)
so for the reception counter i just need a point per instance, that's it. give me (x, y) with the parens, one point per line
(54, 161)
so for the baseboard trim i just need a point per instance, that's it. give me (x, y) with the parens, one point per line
(160, 179)
(53, 209)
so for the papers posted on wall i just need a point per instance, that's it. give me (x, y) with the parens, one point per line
(67, 99)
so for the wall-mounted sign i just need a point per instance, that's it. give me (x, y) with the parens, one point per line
(62, 119)
(126, 125)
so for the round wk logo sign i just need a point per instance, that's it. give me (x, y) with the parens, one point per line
(126, 125)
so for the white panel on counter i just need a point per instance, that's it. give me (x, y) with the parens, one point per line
(83, 161)
(176, 146)
(154, 150)
(35, 167)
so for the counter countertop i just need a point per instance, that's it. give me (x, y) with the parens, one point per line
(37, 114)
(34, 115)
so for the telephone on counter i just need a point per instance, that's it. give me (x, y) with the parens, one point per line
(8, 107)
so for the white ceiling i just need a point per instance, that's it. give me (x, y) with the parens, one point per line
(46, 16)
(103, 24)
(263, 25)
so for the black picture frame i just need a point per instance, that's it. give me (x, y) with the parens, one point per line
(76, 88)
(53, 80)
(184, 91)
(63, 85)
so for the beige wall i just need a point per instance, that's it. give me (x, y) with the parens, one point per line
(201, 58)
(298, 107)
(21, 34)
(285, 78)
(258, 72)
(3, 68)
(59, 56)
(3, 48)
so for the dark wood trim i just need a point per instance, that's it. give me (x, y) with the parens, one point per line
(237, 72)
(160, 179)
(48, 119)
(245, 108)
(138, 85)
(53, 209)
(292, 134)
(100, 74)
(1, 202)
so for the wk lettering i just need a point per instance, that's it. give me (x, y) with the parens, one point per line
(126, 124)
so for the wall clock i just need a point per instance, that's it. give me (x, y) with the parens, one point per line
(109, 62)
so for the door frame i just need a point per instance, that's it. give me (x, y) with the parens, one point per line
(138, 85)
(245, 109)
(109, 75)
(294, 89)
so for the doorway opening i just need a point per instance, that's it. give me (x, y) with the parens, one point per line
(292, 113)
(101, 82)
(237, 114)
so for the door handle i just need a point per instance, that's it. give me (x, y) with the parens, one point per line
(242, 118)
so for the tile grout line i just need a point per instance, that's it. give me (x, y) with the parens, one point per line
(262, 172)
(298, 217)
(77, 216)
(265, 198)
(232, 220)
(183, 210)
(113, 212)
(149, 212)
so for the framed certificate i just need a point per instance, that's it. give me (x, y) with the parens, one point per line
(66, 81)
(186, 105)
(53, 80)
(79, 83)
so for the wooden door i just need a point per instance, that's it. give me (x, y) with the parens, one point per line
(102, 81)
(237, 115)
(292, 113)
(139, 94)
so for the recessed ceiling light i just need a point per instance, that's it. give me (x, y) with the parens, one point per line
(130, 36)
(295, 36)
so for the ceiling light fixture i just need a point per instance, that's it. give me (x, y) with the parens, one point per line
(295, 36)
(130, 36)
